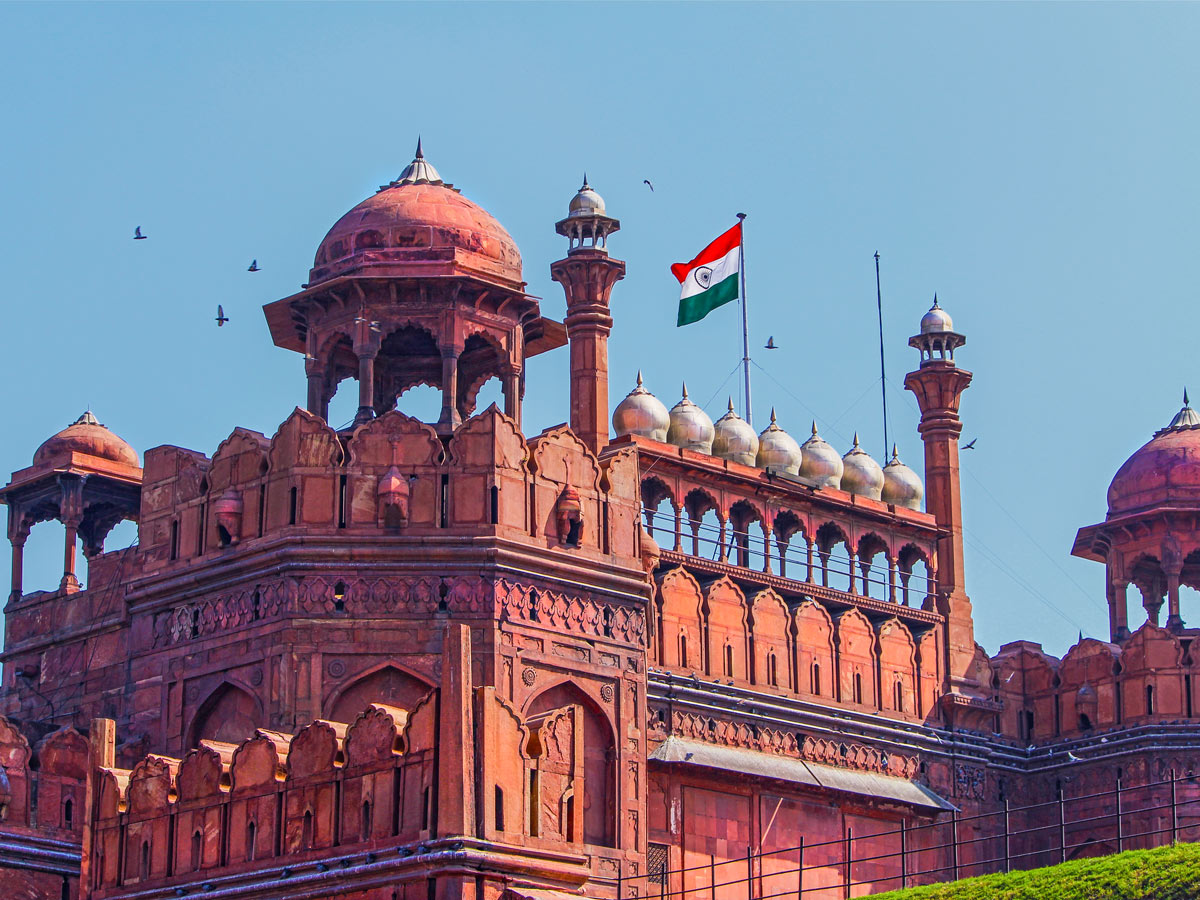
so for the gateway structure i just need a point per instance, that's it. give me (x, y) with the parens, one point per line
(449, 659)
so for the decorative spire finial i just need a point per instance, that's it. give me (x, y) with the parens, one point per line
(814, 427)
(639, 378)
(772, 415)
(586, 186)
(856, 440)
(685, 396)
(731, 404)
(419, 155)
(895, 454)
(935, 303)
(1185, 397)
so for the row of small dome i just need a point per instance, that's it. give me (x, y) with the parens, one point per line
(732, 438)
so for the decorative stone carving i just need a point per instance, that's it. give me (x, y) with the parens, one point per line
(568, 514)
(393, 496)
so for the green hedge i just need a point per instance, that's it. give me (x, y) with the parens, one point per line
(1167, 873)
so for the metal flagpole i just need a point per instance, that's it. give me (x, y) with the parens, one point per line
(745, 321)
(882, 370)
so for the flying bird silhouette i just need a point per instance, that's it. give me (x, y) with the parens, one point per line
(970, 446)
(646, 182)
(770, 344)
(137, 234)
(221, 317)
(253, 267)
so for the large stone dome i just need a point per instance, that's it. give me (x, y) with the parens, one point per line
(1164, 472)
(418, 218)
(88, 437)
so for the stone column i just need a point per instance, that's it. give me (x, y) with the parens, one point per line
(678, 529)
(366, 386)
(17, 535)
(891, 564)
(71, 515)
(450, 417)
(1118, 606)
(512, 396)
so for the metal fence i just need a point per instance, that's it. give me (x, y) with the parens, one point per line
(956, 846)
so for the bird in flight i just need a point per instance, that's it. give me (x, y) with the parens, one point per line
(770, 344)
(970, 446)
(646, 182)
(253, 267)
(137, 234)
(221, 317)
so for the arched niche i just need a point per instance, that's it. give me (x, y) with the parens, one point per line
(598, 790)
(230, 714)
(388, 685)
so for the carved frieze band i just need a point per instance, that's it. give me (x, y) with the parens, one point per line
(743, 735)
(421, 596)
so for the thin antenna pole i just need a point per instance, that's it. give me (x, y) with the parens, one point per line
(745, 318)
(882, 368)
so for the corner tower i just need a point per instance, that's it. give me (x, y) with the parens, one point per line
(588, 275)
(938, 385)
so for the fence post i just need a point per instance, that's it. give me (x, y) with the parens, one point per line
(1174, 812)
(662, 880)
(903, 854)
(1062, 829)
(954, 840)
(849, 851)
(800, 872)
(1120, 824)
(1007, 843)
(712, 875)
(749, 874)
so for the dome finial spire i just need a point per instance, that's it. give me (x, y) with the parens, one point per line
(419, 155)
(419, 171)
(935, 302)
(585, 182)
(1185, 397)
(639, 378)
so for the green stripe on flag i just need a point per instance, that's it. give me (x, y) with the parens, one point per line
(696, 307)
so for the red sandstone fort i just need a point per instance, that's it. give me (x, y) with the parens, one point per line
(413, 660)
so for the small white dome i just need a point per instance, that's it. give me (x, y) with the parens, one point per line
(819, 462)
(586, 203)
(901, 485)
(778, 450)
(734, 439)
(690, 426)
(642, 413)
(861, 475)
(936, 320)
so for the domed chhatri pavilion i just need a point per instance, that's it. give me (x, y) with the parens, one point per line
(449, 660)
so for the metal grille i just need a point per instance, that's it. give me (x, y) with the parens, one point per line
(656, 863)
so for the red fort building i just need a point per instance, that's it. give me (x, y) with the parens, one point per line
(450, 660)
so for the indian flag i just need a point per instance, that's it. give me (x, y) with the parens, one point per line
(711, 279)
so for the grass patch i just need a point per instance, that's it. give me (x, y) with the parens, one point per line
(1165, 873)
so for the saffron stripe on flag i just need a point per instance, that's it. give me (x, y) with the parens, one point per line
(714, 251)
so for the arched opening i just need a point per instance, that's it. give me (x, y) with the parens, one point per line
(389, 685)
(306, 831)
(422, 402)
(366, 825)
(728, 657)
(339, 597)
(858, 688)
(343, 405)
(744, 549)
(498, 803)
(772, 670)
(833, 548)
(144, 864)
(705, 525)
(916, 583)
(683, 651)
(815, 679)
(898, 696)
(791, 544)
(251, 842)
(481, 361)
(598, 788)
(1149, 699)
(658, 512)
(230, 714)
(197, 849)
(874, 580)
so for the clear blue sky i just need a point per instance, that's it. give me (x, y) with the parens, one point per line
(1034, 164)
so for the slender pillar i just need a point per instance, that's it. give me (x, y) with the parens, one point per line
(891, 564)
(1174, 620)
(1118, 607)
(724, 534)
(678, 529)
(450, 417)
(767, 548)
(366, 386)
(71, 515)
(512, 396)
(18, 563)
